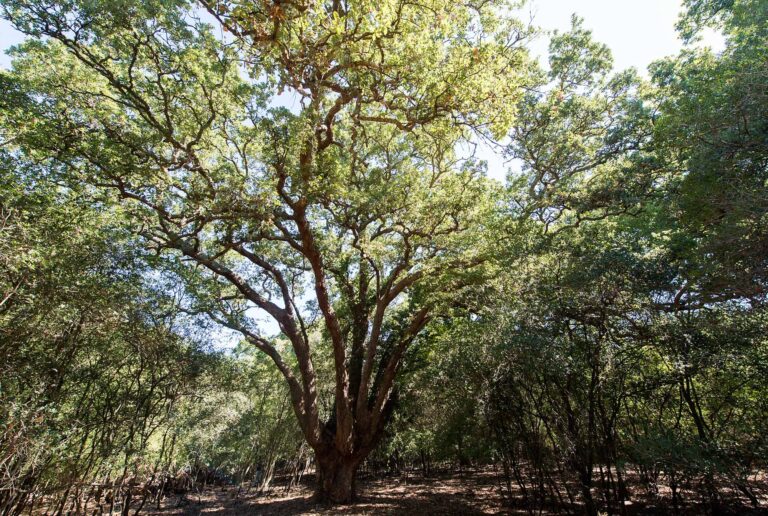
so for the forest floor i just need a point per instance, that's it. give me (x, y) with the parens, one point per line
(475, 493)
(469, 494)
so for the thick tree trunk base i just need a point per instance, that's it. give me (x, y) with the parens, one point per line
(336, 480)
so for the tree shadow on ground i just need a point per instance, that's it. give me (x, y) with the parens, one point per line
(445, 496)
(470, 494)
(419, 503)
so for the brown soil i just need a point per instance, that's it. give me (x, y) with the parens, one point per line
(474, 494)
(469, 494)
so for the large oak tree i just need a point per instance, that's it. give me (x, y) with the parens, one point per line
(345, 217)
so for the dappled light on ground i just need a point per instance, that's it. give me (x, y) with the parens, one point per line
(472, 493)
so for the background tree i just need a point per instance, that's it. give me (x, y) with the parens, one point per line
(93, 367)
(622, 330)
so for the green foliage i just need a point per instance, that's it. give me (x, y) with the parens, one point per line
(623, 331)
(711, 140)
(597, 320)
(92, 366)
(579, 137)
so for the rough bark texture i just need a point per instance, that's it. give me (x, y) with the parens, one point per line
(336, 478)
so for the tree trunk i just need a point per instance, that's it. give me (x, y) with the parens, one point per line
(586, 490)
(336, 478)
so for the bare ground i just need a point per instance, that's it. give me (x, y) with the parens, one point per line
(476, 493)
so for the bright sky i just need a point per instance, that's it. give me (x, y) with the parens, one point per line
(638, 32)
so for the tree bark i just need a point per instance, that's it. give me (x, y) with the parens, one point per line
(336, 477)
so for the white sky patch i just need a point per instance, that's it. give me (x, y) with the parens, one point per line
(637, 32)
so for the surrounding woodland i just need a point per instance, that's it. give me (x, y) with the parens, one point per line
(252, 243)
